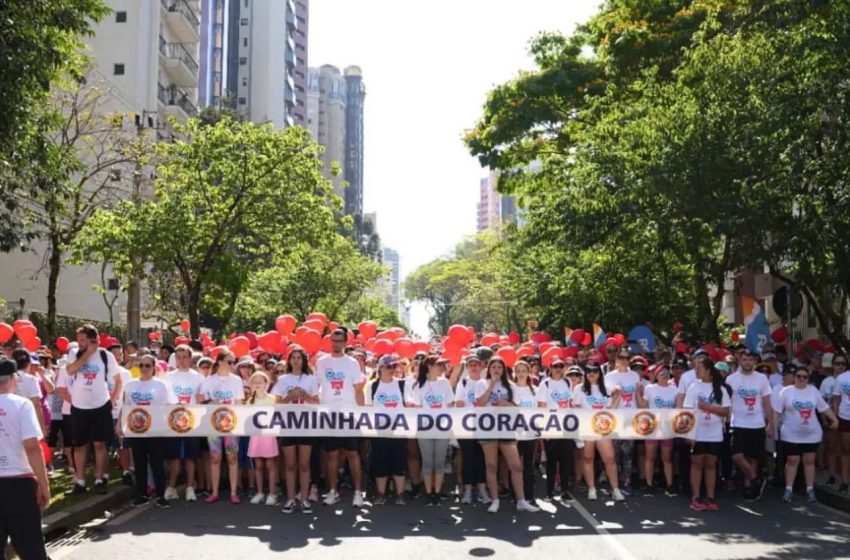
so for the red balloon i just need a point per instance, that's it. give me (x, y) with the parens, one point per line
(327, 344)
(26, 333)
(459, 335)
(332, 326)
(33, 344)
(103, 339)
(508, 354)
(252, 339)
(514, 338)
(621, 339)
(178, 340)
(61, 343)
(368, 329)
(586, 339)
(578, 335)
(20, 323)
(524, 352)
(735, 336)
(421, 346)
(154, 335)
(681, 348)
(315, 324)
(780, 334)
(284, 324)
(550, 355)
(240, 346)
(369, 345)
(6, 332)
(270, 342)
(185, 325)
(383, 347)
(404, 347)
(392, 336)
(489, 339)
(453, 354)
(570, 352)
(319, 317)
(310, 340)
(214, 352)
(545, 347)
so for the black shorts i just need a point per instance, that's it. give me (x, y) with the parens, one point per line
(292, 441)
(92, 424)
(791, 449)
(389, 457)
(749, 442)
(60, 427)
(182, 447)
(337, 443)
(844, 426)
(707, 448)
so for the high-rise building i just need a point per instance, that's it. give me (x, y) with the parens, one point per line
(302, 33)
(495, 208)
(248, 53)
(392, 260)
(356, 94)
(326, 118)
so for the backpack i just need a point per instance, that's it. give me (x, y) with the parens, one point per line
(105, 362)
(378, 381)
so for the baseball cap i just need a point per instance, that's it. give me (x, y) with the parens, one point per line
(789, 369)
(7, 367)
(639, 361)
(556, 360)
(387, 361)
(722, 366)
(484, 354)
(679, 362)
(473, 358)
(768, 356)
(701, 352)
(420, 356)
(575, 370)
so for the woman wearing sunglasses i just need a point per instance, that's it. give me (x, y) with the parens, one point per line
(598, 397)
(800, 431)
(628, 386)
(223, 387)
(659, 395)
(556, 393)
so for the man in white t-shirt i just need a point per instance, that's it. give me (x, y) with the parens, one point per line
(23, 475)
(91, 405)
(341, 384)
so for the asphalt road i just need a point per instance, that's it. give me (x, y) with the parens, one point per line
(640, 528)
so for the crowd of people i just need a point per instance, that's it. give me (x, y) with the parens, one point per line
(759, 416)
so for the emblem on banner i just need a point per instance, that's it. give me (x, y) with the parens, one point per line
(684, 422)
(223, 420)
(603, 423)
(139, 420)
(644, 423)
(181, 420)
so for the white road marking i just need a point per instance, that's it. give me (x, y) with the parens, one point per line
(600, 529)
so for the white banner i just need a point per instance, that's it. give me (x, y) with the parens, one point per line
(461, 423)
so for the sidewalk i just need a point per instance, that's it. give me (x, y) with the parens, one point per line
(80, 513)
(829, 495)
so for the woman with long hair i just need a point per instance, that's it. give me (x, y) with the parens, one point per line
(472, 455)
(597, 396)
(661, 394)
(525, 397)
(556, 393)
(495, 389)
(387, 391)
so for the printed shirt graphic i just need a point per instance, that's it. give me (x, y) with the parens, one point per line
(842, 389)
(145, 393)
(748, 392)
(524, 396)
(183, 386)
(499, 392)
(387, 395)
(90, 389)
(27, 386)
(337, 378)
(17, 423)
(800, 423)
(555, 394)
(660, 397)
(709, 425)
(628, 382)
(465, 392)
(432, 394)
(596, 399)
(287, 382)
(223, 389)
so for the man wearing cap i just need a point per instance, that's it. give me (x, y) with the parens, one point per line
(23, 476)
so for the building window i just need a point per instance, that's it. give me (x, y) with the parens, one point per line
(243, 60)
(121, 17)
(242, 101)
(118, 69)
(112, 284)
(243, 21)
(244, 80)
(245, 42)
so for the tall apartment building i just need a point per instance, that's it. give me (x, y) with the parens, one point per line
(391, 259)
(326, 117)
(302, 35)
(353, 169)
(248, 52)
(495, 208)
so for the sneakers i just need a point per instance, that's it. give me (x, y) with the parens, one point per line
(271, 499)
(100, 487)
(759, 485)
(811, 497)
(400, 501)
(77, 489)
(162, 503)
(306, 507)
(786, 496)
(710, 504)
(467, 497)
(190, 494)
(618, 495)
(288, 507)
(234, 499)
(484, 499)
(429, 500)
(525, 505)
(697, 505)
(127, 478)
(591, 494)
(357, 501)
(380, 500)
(332, 498)
(435, 500)
(494, 507)
(627, 490)
(258, 499)
(648, 491)
(670, 493)
(313, 496)
(211, 499)
(140, 501)
(170, 493)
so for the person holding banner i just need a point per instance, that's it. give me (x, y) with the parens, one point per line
(223, 387)
(596, 396)
(388, 454)
(525, 397)
(556, 392)
(661, 394)
(628, 386)
(471, 453)
(711, 396)
(263, 450)
(495, 390)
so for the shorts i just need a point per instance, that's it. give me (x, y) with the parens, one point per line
(263, 447)
(707, 448)
(749, 442)
(57, 428)
(182, 448)
(92, 424)
(844, 426)
(499, 441)
(337, 443)
(665, 443)
(228, 444)
(389, 457)
(791, 449)
(292, 441)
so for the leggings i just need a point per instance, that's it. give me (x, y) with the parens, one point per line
(472, 455)
(624, 450)
(433, 456)
(559, 458)
(148, 452)
(526, 450)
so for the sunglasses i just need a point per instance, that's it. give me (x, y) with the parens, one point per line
(592, 371)
(146, 366)
(638, 366)
(558, 366)
(338, 340)
(623, 357)
(230, 362)
(205, 365)
(839, 363)
(801, 376)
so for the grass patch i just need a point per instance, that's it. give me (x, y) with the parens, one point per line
(64, 481)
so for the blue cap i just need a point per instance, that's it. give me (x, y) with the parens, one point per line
(387, 361)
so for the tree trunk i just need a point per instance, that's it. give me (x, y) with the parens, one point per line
(193, 306)
(54, 263)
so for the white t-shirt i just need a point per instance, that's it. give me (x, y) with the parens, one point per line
(628, 382)
(387, 395)
(800, 424)
(524, 396)
(432, 394)
(337, 380)
(226, 389)
(66, 381)
(151, 392)
(27, 385)
(686, 380)
(90, 389)
(18, 422)
(826, 388)
(465, 392)
(288, 381)
(842, 389)
(660, 397)
(126, 377)
(556, 394)
(748, 392)
(596, 400)
(775, 379)
(774, 402)
(183, 386)
(709, 425)
(499, 392)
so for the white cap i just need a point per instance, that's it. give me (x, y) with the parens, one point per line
(826, 360)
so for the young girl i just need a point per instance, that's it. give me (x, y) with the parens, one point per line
(661, 394)
(495, 390)
(597, 397)
(263, 449)
(524, 397)
(710, 394)
(432, 391)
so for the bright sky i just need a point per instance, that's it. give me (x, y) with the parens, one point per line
(427, 67)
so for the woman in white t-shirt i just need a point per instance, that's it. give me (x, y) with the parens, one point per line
(661, 394)
(525, 397)
(387, 391)
(598, 396)
(800, 431)
(554, 393)
(407, 370)
(712, 397)
(472, 455)
(841, 408)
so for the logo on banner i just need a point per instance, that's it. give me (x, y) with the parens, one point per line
(139, 421)
(603, 423)
(181, 420)
(684, 422)
(644, 423)
(223, 420)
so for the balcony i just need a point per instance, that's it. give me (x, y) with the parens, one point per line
(289, 57)
(178, 62)
(291, 23)
(176, 102)
(182, 17)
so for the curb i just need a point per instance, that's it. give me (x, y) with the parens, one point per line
(830, 497)
(85, 511)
